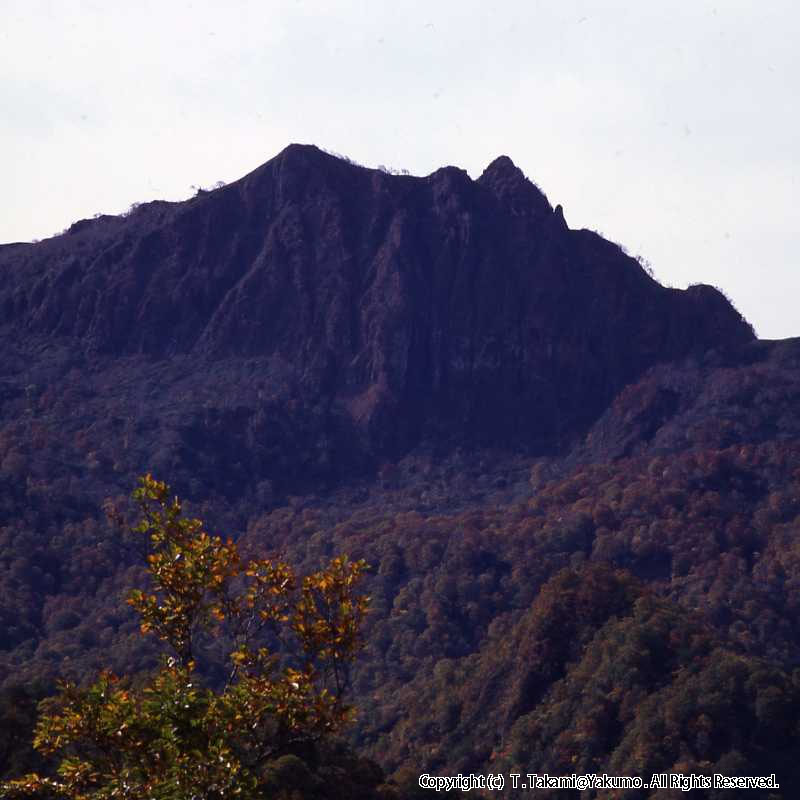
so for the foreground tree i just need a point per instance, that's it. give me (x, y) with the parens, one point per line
(287, 643)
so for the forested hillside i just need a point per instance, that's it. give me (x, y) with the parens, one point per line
(578, 491)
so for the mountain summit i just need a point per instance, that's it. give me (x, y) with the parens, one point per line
(509, 184)
(399, 308)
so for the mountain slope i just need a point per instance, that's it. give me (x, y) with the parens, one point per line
(548, 458)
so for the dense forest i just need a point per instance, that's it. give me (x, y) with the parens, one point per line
(589, 626)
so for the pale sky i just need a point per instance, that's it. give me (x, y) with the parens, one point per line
(671, 128)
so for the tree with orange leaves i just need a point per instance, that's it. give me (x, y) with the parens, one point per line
(289, 644)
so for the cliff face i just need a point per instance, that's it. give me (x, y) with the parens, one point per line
(409, 308)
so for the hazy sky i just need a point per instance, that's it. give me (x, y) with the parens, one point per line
(672, 128)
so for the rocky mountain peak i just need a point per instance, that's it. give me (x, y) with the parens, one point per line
(406, 309)
(510, 185)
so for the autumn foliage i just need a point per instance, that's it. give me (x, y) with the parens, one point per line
(288, 646)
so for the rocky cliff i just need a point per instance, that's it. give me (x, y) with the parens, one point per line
(399, 308)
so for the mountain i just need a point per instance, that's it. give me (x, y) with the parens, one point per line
(399, 309)
(571, 481)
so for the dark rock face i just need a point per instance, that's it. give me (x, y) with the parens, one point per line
(409, 308)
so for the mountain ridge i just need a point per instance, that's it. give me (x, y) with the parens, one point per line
(470, 305)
